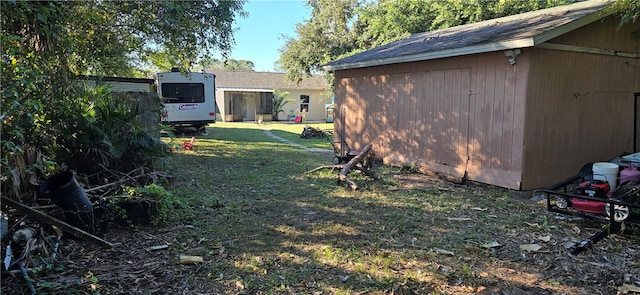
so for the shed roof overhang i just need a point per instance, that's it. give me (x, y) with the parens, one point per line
(530, 41)
(505, 45)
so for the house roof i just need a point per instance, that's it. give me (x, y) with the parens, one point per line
(264, 81)
(510, 32)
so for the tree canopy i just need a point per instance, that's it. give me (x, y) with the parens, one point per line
(46, 45)
(342, 28)
(229, 64)
(109, 37)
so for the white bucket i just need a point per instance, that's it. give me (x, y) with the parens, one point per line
(608, 172)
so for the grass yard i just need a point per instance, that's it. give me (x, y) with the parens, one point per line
(264, 226)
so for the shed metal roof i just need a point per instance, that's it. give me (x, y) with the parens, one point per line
(510, 32)
(261, 81)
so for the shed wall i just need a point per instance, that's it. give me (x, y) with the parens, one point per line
(451, 115)
(580, 106)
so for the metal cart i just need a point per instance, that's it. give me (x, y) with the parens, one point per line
(579, 196)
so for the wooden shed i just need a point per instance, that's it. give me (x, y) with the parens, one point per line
(521, 102)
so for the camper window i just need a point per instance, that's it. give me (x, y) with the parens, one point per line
(183, 92)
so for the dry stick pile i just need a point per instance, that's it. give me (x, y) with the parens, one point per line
(353, 164)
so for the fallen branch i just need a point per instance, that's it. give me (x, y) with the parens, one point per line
(128, 178)
(43, 217)
(347, 167)
(353, 164)
(332, 167)
(367, 172)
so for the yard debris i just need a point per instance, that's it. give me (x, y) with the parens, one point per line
(626, 288)
(155, 248)
(442, 251)
(312, 132)
(188, 259)
(22, 236)
(459, 219)
(8, 257)
(43, 217)
(357, 163)
(530, 247)
(493, 244)
(533, 224)
(545, 239)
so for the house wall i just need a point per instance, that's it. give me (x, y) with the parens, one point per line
(316, 104)
(231, 105)
(220, 105)
(580, 106)
(451, 115)
(245, 111)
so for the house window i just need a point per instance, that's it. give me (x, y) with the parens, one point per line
(304, 103)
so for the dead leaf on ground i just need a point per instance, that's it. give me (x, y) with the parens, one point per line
(576, 230)
(442, 251)
(533, 224)
(626, 288)
(459, 219)
(493, 244)
(478, 209)
(187, 259)
(530, 247)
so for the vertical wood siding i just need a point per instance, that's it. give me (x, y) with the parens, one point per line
(521, 126)
(450, 115)
(580, 105)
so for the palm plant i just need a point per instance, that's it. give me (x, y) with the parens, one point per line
(279, 101)
(109, 135)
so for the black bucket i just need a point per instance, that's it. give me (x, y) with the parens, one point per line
(139, 211)
(64, 191)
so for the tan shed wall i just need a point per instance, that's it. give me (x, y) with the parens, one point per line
(580, 106)
(450, 115)
(530, 125)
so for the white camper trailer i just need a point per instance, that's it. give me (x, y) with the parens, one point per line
(189, 99)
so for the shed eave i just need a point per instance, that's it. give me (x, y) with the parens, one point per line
(468, 50)
(571, 26)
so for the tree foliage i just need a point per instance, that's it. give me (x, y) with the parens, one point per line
(341, 28)
(629, 10)
(46, 45)
(230, 64)
(324, 36)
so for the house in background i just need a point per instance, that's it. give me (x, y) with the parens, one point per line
(246, 96)
(521, 102)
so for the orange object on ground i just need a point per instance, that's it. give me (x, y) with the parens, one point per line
(188, 145)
